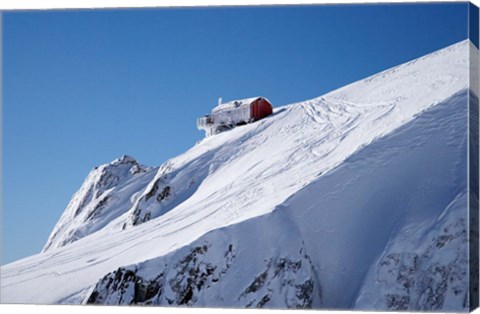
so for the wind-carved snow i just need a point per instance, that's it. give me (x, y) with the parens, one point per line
(409, 232)
(299, 163)
(246, 172)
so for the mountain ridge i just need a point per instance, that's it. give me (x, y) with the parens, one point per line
(270, 259)
(335, 114)
(83, 213)
(224, 181)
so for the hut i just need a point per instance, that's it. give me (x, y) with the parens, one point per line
(234, 113)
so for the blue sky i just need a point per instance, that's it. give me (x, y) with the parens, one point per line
(81, 88)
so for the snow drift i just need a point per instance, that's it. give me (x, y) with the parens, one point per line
(346, 183)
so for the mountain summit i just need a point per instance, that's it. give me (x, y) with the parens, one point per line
(334, 202)
(101, 198)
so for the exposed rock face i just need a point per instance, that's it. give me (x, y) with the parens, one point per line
(172, 185)
(431, 277)
(179, 285)
(190, 278)
(154, 199)
(281, 272)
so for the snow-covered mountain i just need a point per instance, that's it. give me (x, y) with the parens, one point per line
(355, 199)
(107, 192)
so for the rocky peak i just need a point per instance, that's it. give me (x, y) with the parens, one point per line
(93, 206)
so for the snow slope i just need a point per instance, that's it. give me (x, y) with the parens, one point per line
(217, 176)
(332, 238)
(273, 165)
